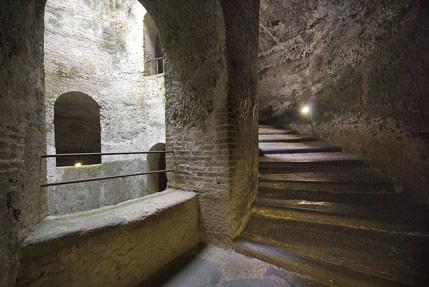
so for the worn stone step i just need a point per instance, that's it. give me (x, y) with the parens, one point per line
(265, 126)
(346, 219)
(322, 272)
(393, 214)
(290, 148)
(344, 181)
(288, 138)
(278, 163)
(327, 187)
(287, 168)
(352, 195)
(373, 248)
(357, 175)
(273, 131)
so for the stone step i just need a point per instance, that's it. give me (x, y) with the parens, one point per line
(278, 163)
(325, 213)
(273, 131)
(393, 211)
(346, 217)
(356, 175)
(372, 248)
(355, 195)
(344, 181)
(290, 148)
(322, 272)
(288, 138)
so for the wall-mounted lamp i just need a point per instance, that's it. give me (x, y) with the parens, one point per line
(307, 111)
(78, 164)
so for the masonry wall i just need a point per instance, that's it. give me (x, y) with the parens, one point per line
(202, 127)
(364, 67)
(197, 115)
(22, 128)
(193, 34)
(241, 18)
(96, 48)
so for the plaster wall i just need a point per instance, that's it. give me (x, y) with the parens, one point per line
(363, 65)
(96, 48)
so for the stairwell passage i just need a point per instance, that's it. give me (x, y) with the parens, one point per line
(327, 214)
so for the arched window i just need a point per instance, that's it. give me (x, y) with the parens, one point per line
(156, 161)
(159, 56)
(77, 128)
(153, 53)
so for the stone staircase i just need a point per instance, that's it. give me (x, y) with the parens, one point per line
(325, 213)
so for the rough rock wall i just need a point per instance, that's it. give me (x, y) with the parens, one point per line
(96, 48)
(363, 65)
(22, 128)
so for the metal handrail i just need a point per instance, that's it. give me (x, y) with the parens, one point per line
(107, 177)
(155, 59)
(102, 154)
(104, 178)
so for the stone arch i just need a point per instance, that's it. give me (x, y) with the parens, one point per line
(156, 161)
(208, 69)
(77, 128)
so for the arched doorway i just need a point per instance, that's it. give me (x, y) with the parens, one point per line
(156, 161)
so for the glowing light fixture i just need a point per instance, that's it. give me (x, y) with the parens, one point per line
(306, 110)
(78, 164)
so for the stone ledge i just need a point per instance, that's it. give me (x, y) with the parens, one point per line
(119, 245)
(100, 219)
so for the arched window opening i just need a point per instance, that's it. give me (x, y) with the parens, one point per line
(156, 161)
(77, 129)
(154, 55)
(159, 56)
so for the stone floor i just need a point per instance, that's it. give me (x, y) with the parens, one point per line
(215, 267)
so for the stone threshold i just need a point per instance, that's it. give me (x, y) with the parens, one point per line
(69, 227)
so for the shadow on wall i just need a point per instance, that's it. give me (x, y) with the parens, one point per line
(156, 161)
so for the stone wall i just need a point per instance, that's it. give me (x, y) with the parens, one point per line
(196, 109)
(193, 35)
(203, 128)
(241, 18)
(22, 140)
(96, 48)
(363, 65)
